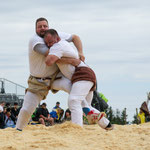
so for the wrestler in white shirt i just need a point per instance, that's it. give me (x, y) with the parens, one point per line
(80, 90)
(38, 69)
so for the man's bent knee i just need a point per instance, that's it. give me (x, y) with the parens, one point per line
(74, 103)
(24, 110)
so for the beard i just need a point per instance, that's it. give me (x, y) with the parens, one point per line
(41, 34)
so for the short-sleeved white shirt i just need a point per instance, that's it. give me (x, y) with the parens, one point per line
(64, 49)
(38, 68)
(1, 108)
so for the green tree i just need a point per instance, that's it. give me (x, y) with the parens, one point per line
(110, 114)
(117, 117)
(135, 120)
(124, 117)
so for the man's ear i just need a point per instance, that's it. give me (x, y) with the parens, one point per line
(57, 38)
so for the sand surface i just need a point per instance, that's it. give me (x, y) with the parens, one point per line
(67, 136)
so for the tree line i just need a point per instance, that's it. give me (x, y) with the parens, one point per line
(119, 117)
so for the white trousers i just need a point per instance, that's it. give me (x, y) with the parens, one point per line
(77, 95)
(79, 91)
(31, 101)
(81, 96)
(88, 101)
(63, 84)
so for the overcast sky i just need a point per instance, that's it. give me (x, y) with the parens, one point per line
(115, 36)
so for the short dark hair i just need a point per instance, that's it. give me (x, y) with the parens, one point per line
(8, 110)
(2, 102)
(53, 32)
(40, 19)
(7, 104)
(15, 103)
(44, 104)
(58, 103)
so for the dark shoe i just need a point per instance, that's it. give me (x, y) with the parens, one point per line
(19, 129)
(109, 127)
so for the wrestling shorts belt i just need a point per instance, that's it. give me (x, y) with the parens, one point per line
(85, 74)
(41, 86)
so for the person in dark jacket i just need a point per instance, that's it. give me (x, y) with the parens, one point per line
(10, 119)
(2, 118)
(15, 110)
(43, 115)
(7, 119)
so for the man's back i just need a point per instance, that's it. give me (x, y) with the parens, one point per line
(64, 49)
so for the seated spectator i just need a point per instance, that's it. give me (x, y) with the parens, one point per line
(54, 115)
(15, 110)
(61, 113)
(57, 106)
(2, 118)
(57, 114)
(2, 104)
(43, 115)
(7, 105)
(34, 116)
(10, 120)
(67, 115)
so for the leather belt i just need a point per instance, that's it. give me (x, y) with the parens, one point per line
(46, 78)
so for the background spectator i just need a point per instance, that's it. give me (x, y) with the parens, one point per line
(99, 101)
(57, 106)
(34, 115)
(67, 116)
(2, 104)
(2, 118)
(145, 110)
(7, 105)
(10, 120)
(43, 115)
(61, 113)
(15, 109)
(141, 116)
(57, 114)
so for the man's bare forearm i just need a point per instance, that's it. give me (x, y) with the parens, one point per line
(46, 53)
(78, 44)
(67, 60)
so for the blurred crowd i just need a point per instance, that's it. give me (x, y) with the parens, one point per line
(9, 115)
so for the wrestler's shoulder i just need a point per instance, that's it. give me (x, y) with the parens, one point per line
(35, 37)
